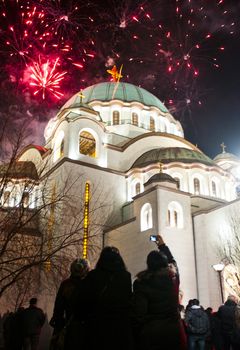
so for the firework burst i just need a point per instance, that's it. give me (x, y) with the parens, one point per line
(165, 46)
(46, 78)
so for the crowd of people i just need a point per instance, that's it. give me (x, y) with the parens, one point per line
(101, 308)
(21, 329)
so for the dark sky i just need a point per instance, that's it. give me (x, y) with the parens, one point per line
(148, 38)
(219, 118)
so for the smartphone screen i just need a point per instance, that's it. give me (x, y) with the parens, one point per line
(153, 238)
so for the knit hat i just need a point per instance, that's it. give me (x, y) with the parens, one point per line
(79, 268)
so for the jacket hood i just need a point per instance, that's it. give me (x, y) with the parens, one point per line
(230, 303)
(197, 312)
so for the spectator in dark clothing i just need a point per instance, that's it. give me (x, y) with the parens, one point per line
(155, 294)
(7, 330)
(64, 306)
(107, 303)
(33, 319)
(226, 314)
(17, 329)
(198, 326)
(216, 332)
(209, 342)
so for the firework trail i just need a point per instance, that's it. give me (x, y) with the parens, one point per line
(165, 45)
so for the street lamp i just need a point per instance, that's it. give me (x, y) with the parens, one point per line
(218, 268)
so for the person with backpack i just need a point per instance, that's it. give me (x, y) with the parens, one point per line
(198, 326)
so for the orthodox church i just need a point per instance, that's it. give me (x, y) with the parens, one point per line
(125, 143)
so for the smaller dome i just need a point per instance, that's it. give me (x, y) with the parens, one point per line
(160, 177)
(172, 154)
(226, 156)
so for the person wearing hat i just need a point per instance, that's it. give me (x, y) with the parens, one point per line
(157, 321)
(64, 304)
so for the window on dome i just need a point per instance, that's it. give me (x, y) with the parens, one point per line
(214, 189)
(25, 199)
(175, 215)
(196, 184)
(146, 217)
(137, 188)
(116, 118)
(87, 144)
(6, 198)
(178, 182)
(134, 119)
(152, 124)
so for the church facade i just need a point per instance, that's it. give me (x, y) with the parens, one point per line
(127, 145)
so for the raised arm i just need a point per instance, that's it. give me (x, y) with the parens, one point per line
(171, 261)
(164, 249)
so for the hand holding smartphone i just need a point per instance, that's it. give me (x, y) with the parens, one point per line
(153, 238)
(157, 238)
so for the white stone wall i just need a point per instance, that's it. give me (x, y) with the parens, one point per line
(135, 245)
(208, 227)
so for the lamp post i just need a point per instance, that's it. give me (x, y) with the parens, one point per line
(219, 268)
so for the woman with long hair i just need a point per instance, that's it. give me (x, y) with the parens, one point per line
(155, 293)
(107, 301)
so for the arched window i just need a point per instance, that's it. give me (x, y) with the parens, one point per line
(175, 215)
(168, 217)
(196, 184)
(135, 188)
(61, 151)
(116, 118)
(214, 189)
(6, 198)
(146, 217)
(59, 146)
(25, 199)
(138, 188)
(152, 124)
(87, 144)
(135, 119)
(178, 182)
(175, 218)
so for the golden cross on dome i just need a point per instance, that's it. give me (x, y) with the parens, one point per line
(116, 75)
(80, 94)
(223, 147)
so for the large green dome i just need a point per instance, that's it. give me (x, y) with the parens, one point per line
(172, 154)
(115, 91)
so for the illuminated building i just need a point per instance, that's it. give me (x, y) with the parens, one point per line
(116, 145)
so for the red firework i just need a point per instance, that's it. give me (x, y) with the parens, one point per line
(46, 78)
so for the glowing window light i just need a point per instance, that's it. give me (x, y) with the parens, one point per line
(86, 220)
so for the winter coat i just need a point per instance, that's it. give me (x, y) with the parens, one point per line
(157, 319)
(33, 319)
(65, 299)
(226, 314)
(197, 322)
(107, 302)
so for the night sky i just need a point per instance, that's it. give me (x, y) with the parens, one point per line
(186, 52)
